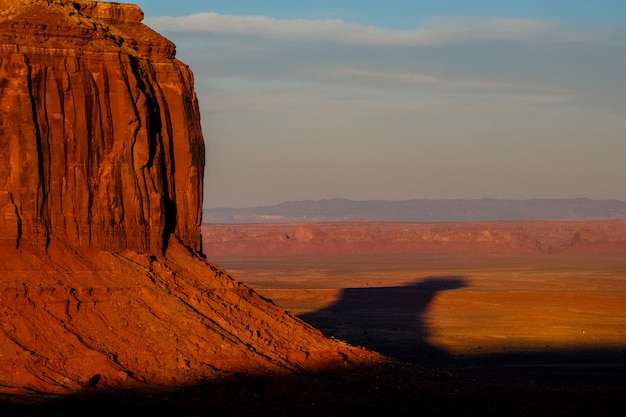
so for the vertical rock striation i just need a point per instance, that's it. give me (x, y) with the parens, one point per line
(100, 139)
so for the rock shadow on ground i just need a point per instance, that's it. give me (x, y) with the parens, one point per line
(389, 320)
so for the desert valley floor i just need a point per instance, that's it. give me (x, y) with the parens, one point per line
(528, 326)
(548, 313)
(456, 307)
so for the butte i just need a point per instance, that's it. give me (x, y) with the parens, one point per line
(103, 283)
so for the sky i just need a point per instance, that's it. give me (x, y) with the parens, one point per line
(404, 99)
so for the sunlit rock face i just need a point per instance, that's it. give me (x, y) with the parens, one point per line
(100, 138)
(102, 280)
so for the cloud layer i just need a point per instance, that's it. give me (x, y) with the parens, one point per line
(462, 107)
(438, 31)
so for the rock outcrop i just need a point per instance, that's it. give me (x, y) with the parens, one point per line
(98, 319)
(100, 140)
(102, 280)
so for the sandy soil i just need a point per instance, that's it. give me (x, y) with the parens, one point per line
(543, 333)
(457, 305)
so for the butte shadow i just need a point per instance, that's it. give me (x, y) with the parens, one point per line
(389, 320)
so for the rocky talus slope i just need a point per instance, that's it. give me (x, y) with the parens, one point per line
(102, 280)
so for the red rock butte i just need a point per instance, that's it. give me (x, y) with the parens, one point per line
(101, 138)
(102, 280)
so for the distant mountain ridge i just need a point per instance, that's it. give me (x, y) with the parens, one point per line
(421, 210)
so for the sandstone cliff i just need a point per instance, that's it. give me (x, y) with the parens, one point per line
(102, 281)
(100, 140)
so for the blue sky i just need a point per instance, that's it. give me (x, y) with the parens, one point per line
(400, 13)
(397, 100)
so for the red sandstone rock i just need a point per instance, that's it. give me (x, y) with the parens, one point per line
(127, 320)
(101, 164)
(100, 140)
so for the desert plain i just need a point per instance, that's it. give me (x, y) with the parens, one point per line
(455, 305)
(533, 302)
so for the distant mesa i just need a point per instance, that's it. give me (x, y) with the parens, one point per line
(495, 237)
(454, 210)
(340, 226)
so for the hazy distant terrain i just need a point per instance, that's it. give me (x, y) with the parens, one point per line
(455, 210)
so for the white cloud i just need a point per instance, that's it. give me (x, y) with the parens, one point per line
(437, 83)
(366, 75)
(438, 31)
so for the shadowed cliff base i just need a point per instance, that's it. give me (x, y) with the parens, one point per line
(396, 389)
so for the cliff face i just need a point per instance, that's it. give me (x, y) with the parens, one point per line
(100, 139)
(101, 166)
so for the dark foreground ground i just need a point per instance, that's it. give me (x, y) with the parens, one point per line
(397, 389)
